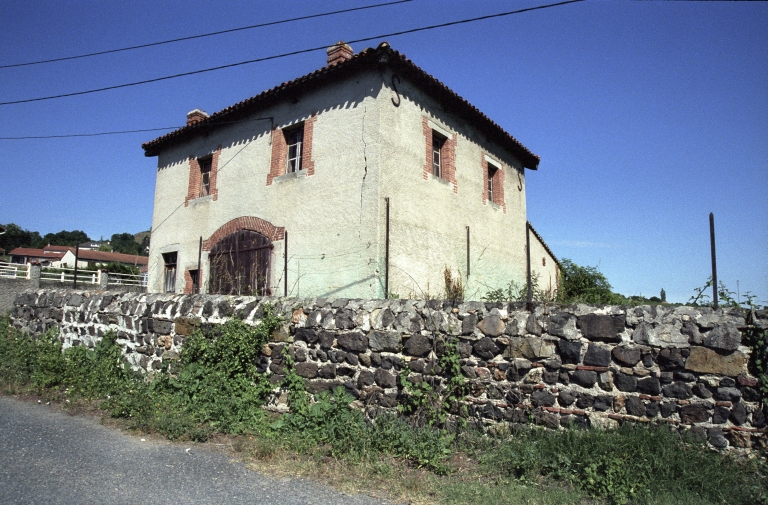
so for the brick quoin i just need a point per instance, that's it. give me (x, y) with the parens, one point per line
(498, 184)
(189, 287)
(245, 223)
(280, 151)
(193, 191)
(447, 156)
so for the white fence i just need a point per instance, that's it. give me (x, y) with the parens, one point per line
(13, 271)
(68, 275)
(114, 279)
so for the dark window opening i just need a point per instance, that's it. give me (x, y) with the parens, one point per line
(195, 276)
(169, 277)
(294, 138)
(491, 176)
(205, 175)
(438, 142)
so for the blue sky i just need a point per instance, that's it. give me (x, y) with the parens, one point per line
(647, 116)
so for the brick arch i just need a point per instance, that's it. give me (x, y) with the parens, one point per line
(245, 223)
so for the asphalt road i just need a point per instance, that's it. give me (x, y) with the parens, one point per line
(48, 457)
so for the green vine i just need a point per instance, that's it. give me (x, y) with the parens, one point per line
(430, 406)
(757, 340)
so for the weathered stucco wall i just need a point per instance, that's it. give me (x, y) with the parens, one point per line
(364, 149)
(429, 216)
(580, 364)
(332, 229)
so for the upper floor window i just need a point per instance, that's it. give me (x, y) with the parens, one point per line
(292, 150)
(294, 139)
(491, 176)
(438, 144)
(202, 176)
(205, 175)
(440, 158)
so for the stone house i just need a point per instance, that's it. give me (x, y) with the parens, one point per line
(363, 178)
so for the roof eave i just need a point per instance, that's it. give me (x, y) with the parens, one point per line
(381, 57)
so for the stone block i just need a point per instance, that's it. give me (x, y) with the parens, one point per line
(725, 337)
(418, 345)
(703, 360)
(649, 386)
(570, 352)
(387, 341)
(602, 327)
(384, 379)
(584, 378)
(353, 341)
(694, 413)
(597, 355)
(306, 370)
(529, 347)
(670, 359)
(629, 356)
(491, 325)
(563, 325)
(635, 406)
(679, 390)
(485, 348)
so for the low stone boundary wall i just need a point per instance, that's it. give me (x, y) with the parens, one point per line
(580, 364)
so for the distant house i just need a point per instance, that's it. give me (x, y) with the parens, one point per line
(362, 178)
(88, 257)
(48, 256)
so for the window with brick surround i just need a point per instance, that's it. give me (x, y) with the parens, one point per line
(294, 140)
(202, 176)
(440, 153)
(491, 174)
(292, 150)
(493, 178)
(205, 175)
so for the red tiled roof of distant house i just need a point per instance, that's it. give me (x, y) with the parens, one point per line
(108, 257)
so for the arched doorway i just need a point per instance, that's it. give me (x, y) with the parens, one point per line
(240, 264)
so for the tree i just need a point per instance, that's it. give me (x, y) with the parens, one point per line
(67, 238)
(124, 243)
(663, 296)
(15, 236)
(585, 285)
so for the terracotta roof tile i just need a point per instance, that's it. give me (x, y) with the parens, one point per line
(382, 56)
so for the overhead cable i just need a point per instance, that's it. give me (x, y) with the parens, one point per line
(203, 35)
(291, 53)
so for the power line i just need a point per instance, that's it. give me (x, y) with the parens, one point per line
(203, 35)
(120, 132)
(292, 53)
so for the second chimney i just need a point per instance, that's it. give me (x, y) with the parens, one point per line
(195, 116)
(339, 52)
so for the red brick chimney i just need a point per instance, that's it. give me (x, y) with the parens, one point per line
(339, 52)
(195, 116)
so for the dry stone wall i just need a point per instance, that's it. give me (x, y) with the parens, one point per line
(555, 365)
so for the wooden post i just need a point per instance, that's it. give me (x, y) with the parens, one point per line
(529, 295)
(714, 259)
(199, 266)
(386, 253)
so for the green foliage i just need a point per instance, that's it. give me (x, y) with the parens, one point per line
(585, 285)
(633, 464)
(15, 236)
(757, 340)
(426, 405)
(515, 292)
(126, 243)
(115, 268)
